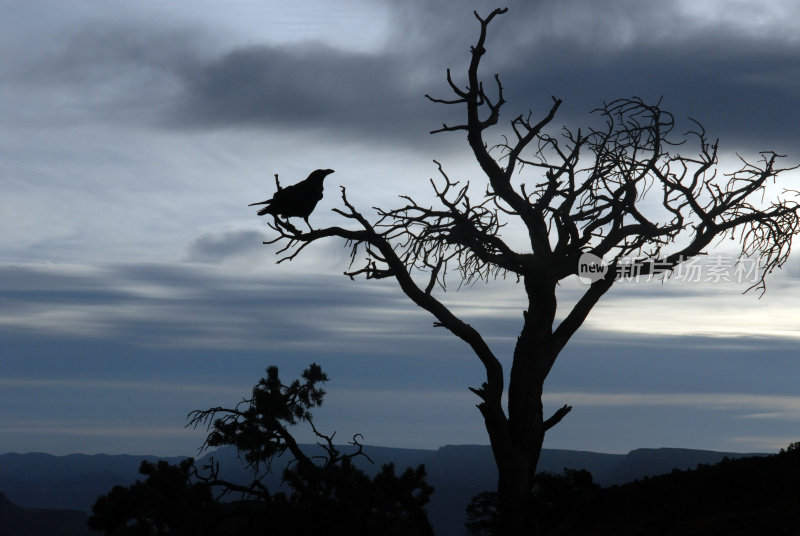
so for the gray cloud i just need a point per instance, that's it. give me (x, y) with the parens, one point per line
(216, 247)
(188, 326)
(104, 71)
(201, 306)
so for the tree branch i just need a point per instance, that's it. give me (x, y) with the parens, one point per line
(557, 416)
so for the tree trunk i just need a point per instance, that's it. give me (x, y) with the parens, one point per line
(514, 490)
(516, 464)
(517, 460)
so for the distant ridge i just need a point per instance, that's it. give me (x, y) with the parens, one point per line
(71, 482)
(457, 472)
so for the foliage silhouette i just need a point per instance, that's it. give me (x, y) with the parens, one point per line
(167, 501)
(743, 496)
(553, 498)
(327, 493)
(619, 191)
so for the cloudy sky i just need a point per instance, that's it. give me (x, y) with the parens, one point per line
(134, 286)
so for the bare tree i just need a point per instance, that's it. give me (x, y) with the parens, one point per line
(591, 191)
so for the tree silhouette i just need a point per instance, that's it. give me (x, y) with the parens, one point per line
(166, 502)
(327, 493)
(619, 191)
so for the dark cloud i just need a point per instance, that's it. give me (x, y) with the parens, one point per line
(307, 86)
(743, 87)
(741, 84)
(728, 89)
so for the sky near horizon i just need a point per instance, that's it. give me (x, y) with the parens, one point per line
(134, 286)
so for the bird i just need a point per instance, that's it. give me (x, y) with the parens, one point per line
(297, 200)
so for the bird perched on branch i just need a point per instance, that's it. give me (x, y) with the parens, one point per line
(297, 200)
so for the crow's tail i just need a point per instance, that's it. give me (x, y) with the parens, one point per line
(266, 210)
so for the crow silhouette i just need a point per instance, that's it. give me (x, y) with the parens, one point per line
(297, 200)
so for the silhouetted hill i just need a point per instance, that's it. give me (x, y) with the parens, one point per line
(744, 496)
(646, 462)
(18, 521)
(458, 472)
